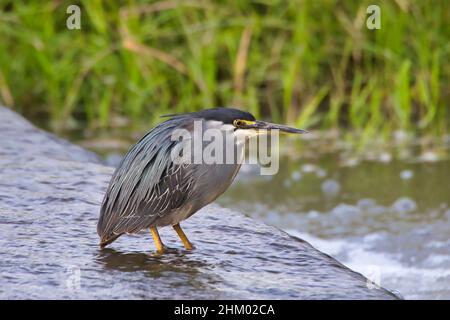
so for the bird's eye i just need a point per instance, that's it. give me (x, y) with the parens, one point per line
(238, 123)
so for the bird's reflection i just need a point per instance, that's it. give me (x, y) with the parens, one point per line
(177, 271)
(173, 260)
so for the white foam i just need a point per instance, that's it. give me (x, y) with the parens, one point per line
(385, 268)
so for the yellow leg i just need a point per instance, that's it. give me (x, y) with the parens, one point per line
(157, 239)
(183, 237)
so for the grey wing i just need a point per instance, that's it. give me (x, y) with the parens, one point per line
(147, 185)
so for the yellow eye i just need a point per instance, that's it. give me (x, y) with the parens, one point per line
(238, 123)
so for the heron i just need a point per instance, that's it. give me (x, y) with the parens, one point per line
(150, 189)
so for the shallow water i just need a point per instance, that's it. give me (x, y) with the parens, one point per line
(50, 193)
(388, 219)
(384, 212)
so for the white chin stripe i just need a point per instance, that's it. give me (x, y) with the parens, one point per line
(245, 133)
(213, 124)
(240, 134)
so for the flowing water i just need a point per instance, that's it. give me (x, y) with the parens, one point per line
(388, 219)
(50, 194)
(385, 214)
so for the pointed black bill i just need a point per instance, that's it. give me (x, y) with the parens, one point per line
(262, 125)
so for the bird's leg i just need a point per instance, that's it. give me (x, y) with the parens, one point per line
(157, 239)
(183, 237)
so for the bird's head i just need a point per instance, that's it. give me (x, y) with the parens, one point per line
(220, 129)
(243, 123)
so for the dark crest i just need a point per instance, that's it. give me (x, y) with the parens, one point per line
(226, 115)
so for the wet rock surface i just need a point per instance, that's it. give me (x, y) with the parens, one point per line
(50, 193)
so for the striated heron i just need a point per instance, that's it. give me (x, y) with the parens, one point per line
(151, 189)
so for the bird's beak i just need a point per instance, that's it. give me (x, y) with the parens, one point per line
(267, 126)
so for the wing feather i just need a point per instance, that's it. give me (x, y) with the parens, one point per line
(146, 185)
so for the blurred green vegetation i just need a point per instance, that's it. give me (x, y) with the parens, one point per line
(310, 63)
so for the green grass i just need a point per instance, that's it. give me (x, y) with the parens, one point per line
(310, 63)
